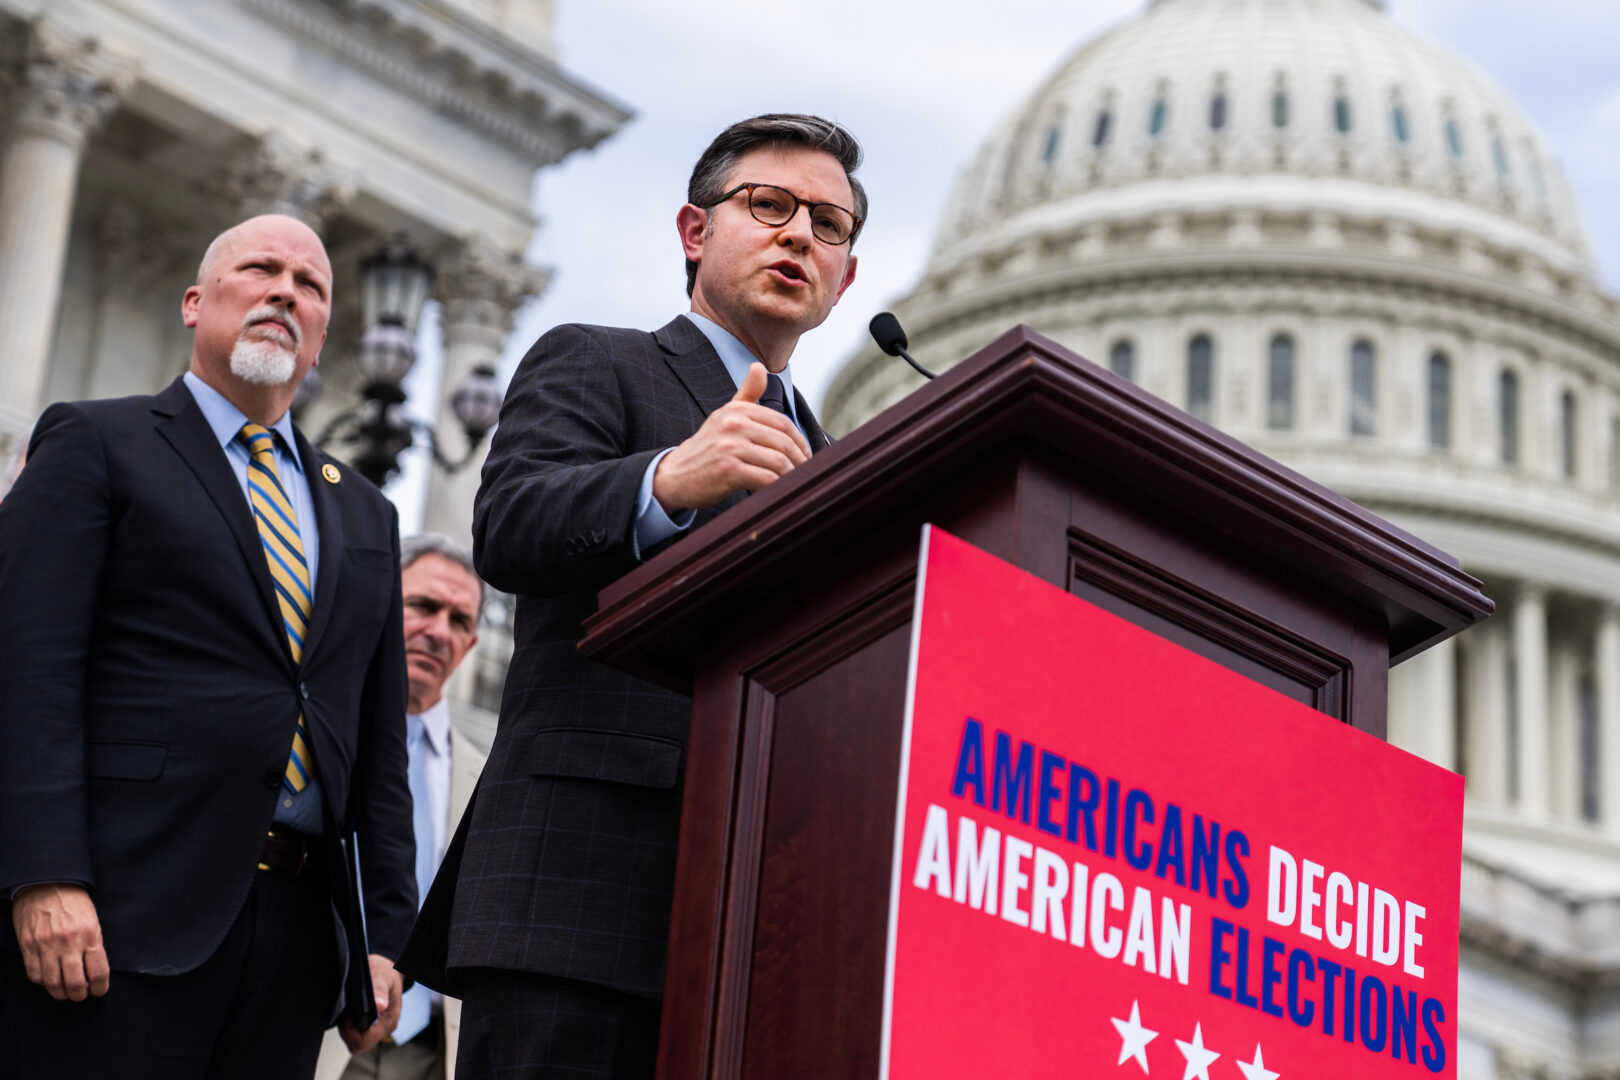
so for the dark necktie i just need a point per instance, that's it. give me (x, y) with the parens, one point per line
(775, 395)
(284, 549)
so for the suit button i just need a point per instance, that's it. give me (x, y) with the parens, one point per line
(599, 535)
(570, 546)
(272, 776)
(303, 690)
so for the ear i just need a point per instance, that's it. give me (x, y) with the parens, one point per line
(849, 279)
(189, 303)
(692, 222)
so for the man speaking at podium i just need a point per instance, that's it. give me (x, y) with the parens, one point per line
(550, 916)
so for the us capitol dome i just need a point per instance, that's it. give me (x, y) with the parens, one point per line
(1344, 245)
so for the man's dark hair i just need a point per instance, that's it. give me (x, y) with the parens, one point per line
(414, 547)
(714, 167)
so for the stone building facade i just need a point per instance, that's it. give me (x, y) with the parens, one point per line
(133, 131)
(136, 130)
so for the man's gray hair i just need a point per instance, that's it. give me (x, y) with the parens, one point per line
(414, 547)
(714, 167)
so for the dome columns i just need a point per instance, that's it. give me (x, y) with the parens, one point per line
(1485, 744)
(1607, 648)
(1529, 699)
(1423, 700)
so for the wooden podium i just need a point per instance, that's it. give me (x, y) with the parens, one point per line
(788, 620)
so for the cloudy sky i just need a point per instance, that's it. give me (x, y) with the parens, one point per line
(921, 82)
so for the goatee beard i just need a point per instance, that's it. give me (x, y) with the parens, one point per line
(263, 363)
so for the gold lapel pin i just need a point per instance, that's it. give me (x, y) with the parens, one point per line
(331, 473)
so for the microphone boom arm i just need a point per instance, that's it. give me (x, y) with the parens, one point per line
(908, 358)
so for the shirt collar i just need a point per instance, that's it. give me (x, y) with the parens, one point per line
(735, 355)
(226, 420)
(436, 726)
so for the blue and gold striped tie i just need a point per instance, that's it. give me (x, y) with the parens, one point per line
(284, 550)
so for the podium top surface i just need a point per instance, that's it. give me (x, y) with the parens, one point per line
(1026, 389)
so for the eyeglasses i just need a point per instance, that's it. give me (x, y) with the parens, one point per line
(771, 205)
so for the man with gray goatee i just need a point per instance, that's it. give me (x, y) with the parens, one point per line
(203, 692)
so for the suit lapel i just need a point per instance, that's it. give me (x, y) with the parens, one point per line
(186, 430)
(329, 517)
(696, 364)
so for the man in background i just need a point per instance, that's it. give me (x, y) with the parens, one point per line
(443, 601)
(203, 690)
(550, 916)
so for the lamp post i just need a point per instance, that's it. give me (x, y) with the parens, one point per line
(394, 285)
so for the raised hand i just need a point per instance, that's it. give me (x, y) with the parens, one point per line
(742, 446)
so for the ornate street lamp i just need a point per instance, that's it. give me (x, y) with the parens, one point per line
(394, 285)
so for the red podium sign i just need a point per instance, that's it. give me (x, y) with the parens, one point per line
(1116, 857)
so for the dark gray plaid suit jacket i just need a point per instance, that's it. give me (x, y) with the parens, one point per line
(564, 863)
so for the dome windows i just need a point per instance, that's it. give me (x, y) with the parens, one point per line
(1507, 415)
(1217, 110)
(1538, 180)
(1280, 384)
(1054, 140)
(1099, 133)
(1568, 418)
(1201, 378)
(1439, 401)
(1159, 113)
(1341, 114)
(1500, 158)
(1398, 124)
(1454, 143)
(1279, 106)
(1122, 359)
(1363, 388)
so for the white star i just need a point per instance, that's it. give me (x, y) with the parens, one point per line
(1256, 1069)
(1198, 1059)
(1133, 1038)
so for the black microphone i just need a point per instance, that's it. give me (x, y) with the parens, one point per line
(891, 338)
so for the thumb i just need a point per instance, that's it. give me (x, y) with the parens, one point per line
(753, 384)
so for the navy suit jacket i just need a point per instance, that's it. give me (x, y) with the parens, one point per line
(147, 692)
(564, 863)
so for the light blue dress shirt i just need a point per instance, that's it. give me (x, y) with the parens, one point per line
(427, 739)
(303, 810)
(652, 523)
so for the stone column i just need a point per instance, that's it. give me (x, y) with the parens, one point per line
(1608, 689)
(63, 90)
(1484, 667)
(1530, 698)
(1563, 730)
(1422, 705)
(479, 290)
